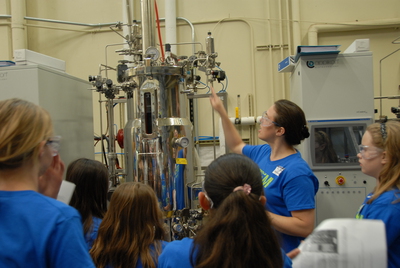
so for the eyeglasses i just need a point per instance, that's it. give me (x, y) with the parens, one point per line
(54, 143)
(369, 152)
(266, 122)
(208, 198)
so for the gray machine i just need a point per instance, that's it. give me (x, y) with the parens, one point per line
(64, 96)
(336, 94)
(157, 137)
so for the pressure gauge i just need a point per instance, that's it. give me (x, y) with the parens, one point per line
(183, 142)
(153, 53)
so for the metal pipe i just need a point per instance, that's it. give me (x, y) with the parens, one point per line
(101, 24)
(127, 11)
(111, 149)
(348, 26)
(296, 25)
(252, 57)
(101, 130)
(271, 76)
(281, 43)
(192, 28)
(288, 28)
(148, 24)
(380, 80)
(72, 23)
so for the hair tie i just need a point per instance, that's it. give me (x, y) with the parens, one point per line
(246, 188)
(383, 131)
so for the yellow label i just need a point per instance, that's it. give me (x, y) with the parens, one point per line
(181, 161)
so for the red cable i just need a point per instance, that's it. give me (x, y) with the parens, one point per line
(159, 32)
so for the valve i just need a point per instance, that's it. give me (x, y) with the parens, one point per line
(109, 83)
(121, 69)
(98, 85)
(219, 75)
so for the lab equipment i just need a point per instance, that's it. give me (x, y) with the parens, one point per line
(336, 94)
(157, 137)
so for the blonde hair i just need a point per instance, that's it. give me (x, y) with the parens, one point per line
(389, 177)
(23, 125)
(132, 224)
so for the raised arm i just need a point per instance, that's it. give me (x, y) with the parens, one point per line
(232, 137)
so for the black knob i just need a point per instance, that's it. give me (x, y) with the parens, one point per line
(109, 82)
(99, 84)
(326, 183)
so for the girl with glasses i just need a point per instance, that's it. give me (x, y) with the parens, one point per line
(379, 157)
(289, 184)
(35, 230)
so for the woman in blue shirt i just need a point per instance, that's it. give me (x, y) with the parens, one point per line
(289, 184)
(35, 230)
(379, 157)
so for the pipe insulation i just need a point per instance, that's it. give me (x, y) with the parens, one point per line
(170, 24)
(245, 121)
(18, 30)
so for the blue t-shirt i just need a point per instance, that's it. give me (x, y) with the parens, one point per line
(139, 262)
(39, 231)
(178, 253)
(92, 234)
(289, 185)
(386, 208)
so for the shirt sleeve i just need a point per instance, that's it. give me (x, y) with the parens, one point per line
(68, 247)
(299, 193)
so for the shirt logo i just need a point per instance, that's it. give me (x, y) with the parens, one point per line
(266, 179)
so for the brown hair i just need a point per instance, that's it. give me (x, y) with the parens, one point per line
(328, 154)
(23, 126)
(389, 176)
(290, 116)
(90, 195)
(239, 233)
(132, 224)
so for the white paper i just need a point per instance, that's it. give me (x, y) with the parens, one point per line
(344, 243)
(66, 190)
